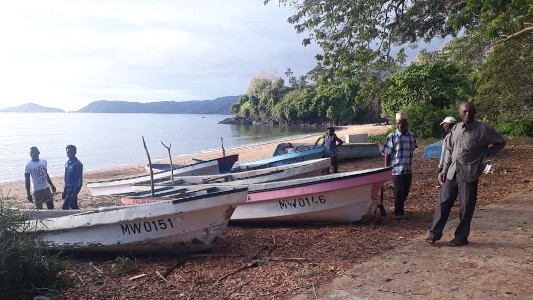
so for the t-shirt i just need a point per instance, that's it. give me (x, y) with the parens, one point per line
(38, 173)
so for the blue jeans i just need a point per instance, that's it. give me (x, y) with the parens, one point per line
(70, 202)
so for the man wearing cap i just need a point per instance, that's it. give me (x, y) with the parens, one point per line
(447, 124)
(465, 156)
(398, 149)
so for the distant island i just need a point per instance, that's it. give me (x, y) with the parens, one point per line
(32, 108)
(219, 105)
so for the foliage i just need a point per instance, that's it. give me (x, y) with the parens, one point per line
(364, 42)
(504, 82)
(26, 269)
(426, 92)
(507, 125)
(358, 37)
(425, 118)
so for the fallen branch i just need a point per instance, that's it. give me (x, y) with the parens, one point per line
(99, 271)
(138, 276)
(251, 264)
(289, 259)
(180, 262)
(161, 276)
(228, 296)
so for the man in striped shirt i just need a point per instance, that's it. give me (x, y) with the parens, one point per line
(398, 149)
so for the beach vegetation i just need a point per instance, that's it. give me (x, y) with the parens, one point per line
(26, 268)
(487, 59)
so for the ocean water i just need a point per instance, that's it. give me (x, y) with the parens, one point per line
(107, 140)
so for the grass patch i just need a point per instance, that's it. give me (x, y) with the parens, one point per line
(26, 268)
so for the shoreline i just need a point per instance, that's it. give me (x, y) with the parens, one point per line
(14, 192)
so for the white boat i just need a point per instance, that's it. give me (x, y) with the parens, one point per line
(179, 225)
(334, 198)
(123, 185)
(297, 170)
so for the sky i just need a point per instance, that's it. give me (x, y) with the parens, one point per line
(67, 54)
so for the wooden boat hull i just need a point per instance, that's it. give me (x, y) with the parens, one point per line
(291, 171)
(280, 160)
(334, 198)
(174, 225)
(121, 186)
(346, 150)
(224, 165)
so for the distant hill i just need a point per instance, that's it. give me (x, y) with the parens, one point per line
(217, 106)
(31, 108)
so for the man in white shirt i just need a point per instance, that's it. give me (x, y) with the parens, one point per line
(36, 169)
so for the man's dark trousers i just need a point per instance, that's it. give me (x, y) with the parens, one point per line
(402, 184)
(467, 192)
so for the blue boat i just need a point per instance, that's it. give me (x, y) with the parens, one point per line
(280, 160)
(433, 150)
(346, 150)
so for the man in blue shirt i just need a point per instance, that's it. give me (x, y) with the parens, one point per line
(398, 149)
(73, 179)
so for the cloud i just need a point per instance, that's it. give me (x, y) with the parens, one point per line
(67, 54)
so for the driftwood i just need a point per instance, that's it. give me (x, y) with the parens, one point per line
(138, 276)
(150, 165)
(170, 158)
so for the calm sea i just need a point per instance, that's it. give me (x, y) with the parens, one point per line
(108, 140)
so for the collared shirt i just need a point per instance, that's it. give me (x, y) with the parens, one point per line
(467, 150)
(443, 149)
(73, 176)
(400, 147)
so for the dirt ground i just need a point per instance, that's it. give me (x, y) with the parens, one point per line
(277, 262)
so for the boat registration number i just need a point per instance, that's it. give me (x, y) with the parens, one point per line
(147, 226)
(302, 202)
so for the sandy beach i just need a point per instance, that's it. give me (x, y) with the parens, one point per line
(14, 193)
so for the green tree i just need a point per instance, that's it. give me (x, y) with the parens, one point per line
(427, 90)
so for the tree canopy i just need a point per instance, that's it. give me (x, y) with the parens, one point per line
(361, 70)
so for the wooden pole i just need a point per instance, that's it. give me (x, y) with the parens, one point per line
(223, 150)
(149, 165)
(171, 165)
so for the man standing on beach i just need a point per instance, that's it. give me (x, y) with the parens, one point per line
(398, 149)
(331, 145)
(36, 169)
(73, 179)
(447, 124)
(465, 156)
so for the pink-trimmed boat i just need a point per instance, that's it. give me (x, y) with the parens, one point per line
(334, 198)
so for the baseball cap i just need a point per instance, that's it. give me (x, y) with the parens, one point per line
(449, 120)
